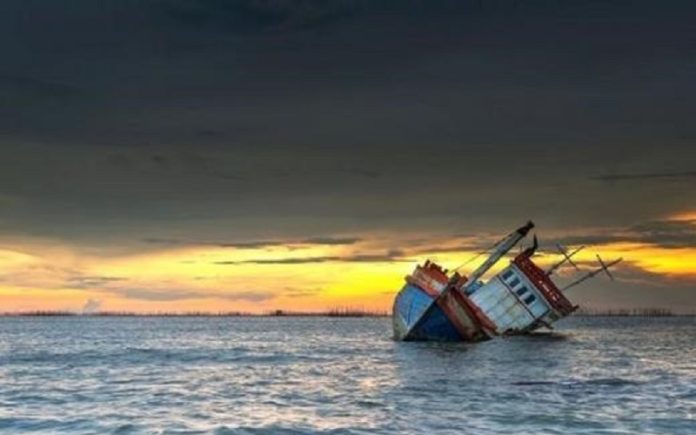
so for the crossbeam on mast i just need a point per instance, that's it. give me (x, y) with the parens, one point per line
(604, 267)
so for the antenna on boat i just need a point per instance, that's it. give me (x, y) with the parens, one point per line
(532, 249)
(567, 258)
(604, 267)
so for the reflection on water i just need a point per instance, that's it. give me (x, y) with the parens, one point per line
(309, 375)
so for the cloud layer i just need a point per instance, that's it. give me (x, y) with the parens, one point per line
(343, 134)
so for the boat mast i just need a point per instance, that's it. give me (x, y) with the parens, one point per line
(604, 267)
(567, 257)
(501, 249)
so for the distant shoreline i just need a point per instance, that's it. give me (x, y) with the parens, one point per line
(330, 313)
(629, 312)
(274, 313)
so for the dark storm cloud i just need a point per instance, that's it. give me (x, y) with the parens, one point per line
(648, 176)
(363, 172)
(186, 165)
(253, 17)
(390, 256)
(331, 240)
(217, 120)
(17, 86)
(549, 245)
(255, 244)
(668, 234)
(201, 55)
(661, 233)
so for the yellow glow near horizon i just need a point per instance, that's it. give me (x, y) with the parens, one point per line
(300, 277)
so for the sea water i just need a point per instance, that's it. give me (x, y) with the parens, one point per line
(297, 375)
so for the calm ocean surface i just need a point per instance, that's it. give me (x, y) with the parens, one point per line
(337, 375)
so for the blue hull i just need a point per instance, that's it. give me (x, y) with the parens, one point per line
(416, 317)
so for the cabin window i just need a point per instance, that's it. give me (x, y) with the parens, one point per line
(529, 299)
(514, 282)
(522, 290)
(507, 274)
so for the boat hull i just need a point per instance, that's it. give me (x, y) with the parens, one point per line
(417, 317)
(421, 316)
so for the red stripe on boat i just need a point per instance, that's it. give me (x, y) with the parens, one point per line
(544, 284)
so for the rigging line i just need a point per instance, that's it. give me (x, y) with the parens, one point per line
(480, 254)
(470, 260)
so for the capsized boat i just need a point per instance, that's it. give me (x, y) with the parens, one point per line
(437, 305)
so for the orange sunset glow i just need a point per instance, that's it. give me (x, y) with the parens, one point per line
(294, 276)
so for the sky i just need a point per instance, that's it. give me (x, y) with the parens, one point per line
(252, 155)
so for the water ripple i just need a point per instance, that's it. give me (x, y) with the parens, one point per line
(341, 376)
